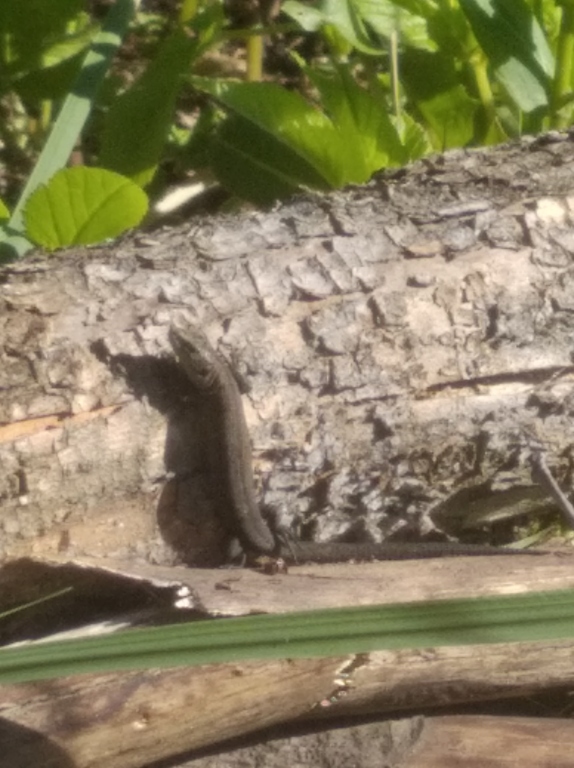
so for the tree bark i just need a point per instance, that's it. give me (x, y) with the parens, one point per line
(407, 345)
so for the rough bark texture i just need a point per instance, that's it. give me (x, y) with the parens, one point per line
(406, 344)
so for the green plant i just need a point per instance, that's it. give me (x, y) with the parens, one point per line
(63, 137)
(389, 81)
(329, 632)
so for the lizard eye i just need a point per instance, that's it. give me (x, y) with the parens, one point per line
(203, 372)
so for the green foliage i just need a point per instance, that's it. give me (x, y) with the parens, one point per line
(443, 104)
(36, 35)
(512, 40)
(279, 134)
(139, 120)
(255, 163)
(362, 23)
(82, 206)
(67, 127)
(395, 79)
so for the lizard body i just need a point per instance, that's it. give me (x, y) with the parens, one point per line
(212, 378)
(210, 375)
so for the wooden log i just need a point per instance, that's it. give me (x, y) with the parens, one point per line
(127, 719)
(404, 361)
(493, 742)
(130, 719)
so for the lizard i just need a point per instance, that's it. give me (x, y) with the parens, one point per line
(212, 378)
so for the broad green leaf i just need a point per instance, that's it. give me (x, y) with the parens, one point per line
(338, 44)
(70, 45)
(342, 15)
(58, 66)
(347, 146)
(82, 205)
(451, 116)
(331, 632)
(388, 16)
(52, 83)
(355, 20)
(139, 121)
(256, 166)
(309, 18)
(510, 36)
(4, 212)
(51, 74)
(346, 17)
(412, 136)
(433, 88)
(448, 27)
(284, 115)
(368, 139)
(426, 74)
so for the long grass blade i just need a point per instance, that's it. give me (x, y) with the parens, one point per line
(530, 617)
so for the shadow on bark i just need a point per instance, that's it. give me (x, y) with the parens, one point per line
(22, 747)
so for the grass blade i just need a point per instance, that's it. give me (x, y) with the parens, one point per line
(515, 618)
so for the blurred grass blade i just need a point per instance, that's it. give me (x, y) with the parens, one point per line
(32, 603)
(514, 618)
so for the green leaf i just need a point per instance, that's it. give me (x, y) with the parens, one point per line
(434, 89)
(256, 166)
(344, 16)
(42, 85)
(139, 121)
(29, 27)
(70, 45)
(4, 212)
(331, 632)
(386, 17)
(53, 75)
(368, 140)
(82, 205)
(451, 115)
(412, 136)
(356, 20)
(344, 146)
(310, 19)
(512, 39)
(284, 115)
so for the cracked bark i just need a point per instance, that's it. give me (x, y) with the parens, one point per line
(403, 354)
(406, 345)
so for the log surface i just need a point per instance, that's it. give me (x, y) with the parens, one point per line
(406, 344)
